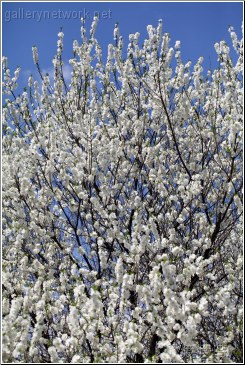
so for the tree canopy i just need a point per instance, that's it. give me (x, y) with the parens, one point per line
(122, 206)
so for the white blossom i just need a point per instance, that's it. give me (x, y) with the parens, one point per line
(122, 206)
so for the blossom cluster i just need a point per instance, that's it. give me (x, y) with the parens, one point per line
(122, 206)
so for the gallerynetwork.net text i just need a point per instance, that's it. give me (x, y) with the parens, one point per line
(38, 15)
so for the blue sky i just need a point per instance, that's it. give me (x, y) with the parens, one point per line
(197, 25)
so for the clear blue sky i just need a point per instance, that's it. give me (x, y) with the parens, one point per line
(197, 25)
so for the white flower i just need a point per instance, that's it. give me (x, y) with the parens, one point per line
(177, 45)
(76, 359)
(35, 54)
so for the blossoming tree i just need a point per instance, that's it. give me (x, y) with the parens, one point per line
(122, 206)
